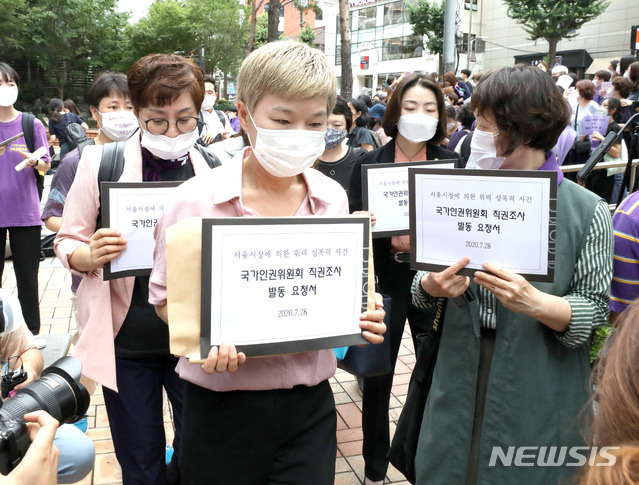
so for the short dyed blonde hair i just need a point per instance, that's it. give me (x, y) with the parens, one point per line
(288, 69)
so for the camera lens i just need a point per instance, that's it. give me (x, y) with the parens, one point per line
(58, 392)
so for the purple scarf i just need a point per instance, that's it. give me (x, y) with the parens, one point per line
(152, 167)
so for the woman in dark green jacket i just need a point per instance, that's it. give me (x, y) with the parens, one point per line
(512, 375)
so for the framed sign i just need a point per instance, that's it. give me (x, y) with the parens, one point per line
(504, 217)
(385, 193)
(134, 208)
(282, 285)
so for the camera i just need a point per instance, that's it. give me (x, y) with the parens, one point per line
(58, 392)
(10, 380)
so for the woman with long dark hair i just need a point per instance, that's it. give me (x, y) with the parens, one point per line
(415, 119)
(359, 135)
(607, 183)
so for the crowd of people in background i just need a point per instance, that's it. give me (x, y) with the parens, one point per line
(525, 375)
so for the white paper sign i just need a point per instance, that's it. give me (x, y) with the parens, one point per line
(497, 216)
(134, 209)
(284, 287)
(385, 194)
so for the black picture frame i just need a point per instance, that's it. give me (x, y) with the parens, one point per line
(287, 347)
(105, 205)
(376, 166)
(537, 174)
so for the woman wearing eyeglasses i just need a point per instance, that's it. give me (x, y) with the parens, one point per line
(123, 344)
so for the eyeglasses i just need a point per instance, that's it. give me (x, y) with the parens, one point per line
(159, 126)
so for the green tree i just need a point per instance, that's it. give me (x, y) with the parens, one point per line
(66, 41)
(255, 6)
(307, 35)
(554, 20)
(261, 31)
(13, 21)
(181, 26)
(427, 18)
(164, 29)
(220, 25)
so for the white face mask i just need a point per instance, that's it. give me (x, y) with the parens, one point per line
(286, 153)
(450, 126)
(118, 125)
(417, 127)
(208, 102)
(484, 151)
(8, 96)
(169, 148)
(602, 112)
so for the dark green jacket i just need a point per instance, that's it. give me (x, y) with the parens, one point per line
(537, 386)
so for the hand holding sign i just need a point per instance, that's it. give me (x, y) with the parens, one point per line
(105, 245)
(372, 322)
(511, 289)
(447, 284)
(226, 358)
(518, 295)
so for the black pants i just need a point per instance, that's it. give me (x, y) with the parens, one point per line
(25, 250)
(136, 420)
(375, 424)
(280, 436)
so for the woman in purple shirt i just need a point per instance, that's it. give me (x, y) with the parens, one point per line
(19, 198)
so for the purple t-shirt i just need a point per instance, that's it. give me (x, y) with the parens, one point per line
(625, 266)
(60, 185)
(455, 137)
(19, 200)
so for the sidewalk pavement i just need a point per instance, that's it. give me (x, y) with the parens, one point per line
(56, 317)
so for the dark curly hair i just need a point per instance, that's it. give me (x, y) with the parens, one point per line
(527, 106)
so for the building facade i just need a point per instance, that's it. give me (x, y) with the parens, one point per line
(607, 37)
(382, 43)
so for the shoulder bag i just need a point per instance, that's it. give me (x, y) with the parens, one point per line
(404, 446)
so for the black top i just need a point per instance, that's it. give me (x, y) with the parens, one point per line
(342, 169)
(613, 127)
(57, 127)
(143, 333)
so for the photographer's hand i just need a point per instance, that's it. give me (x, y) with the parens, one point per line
(33, 364)
(40, 464)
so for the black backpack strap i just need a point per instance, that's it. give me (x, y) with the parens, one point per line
(28, 121)
(220, 115)
(82, 145)
(210, 157)
(27, 128)
(111, 167)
